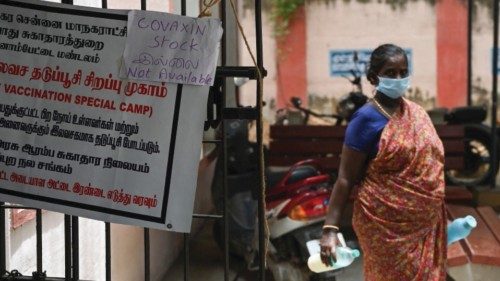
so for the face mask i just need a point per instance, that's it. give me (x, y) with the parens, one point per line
(393, 88)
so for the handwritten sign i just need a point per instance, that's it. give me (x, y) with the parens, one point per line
(77, 139)
(171, 48)
(342, 62)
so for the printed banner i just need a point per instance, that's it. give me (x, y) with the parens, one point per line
(77, 139)
(342, 62)
(171, 48)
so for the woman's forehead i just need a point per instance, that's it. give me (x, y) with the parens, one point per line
(396, 61)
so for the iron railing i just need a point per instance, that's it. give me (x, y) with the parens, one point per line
(71, 223)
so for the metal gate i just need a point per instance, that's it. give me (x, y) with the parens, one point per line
(217, 118)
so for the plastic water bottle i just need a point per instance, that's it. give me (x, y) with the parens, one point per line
(345, 256)
(460, 228)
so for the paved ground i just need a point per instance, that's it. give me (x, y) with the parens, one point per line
(207, 263)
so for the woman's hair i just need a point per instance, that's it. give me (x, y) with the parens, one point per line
(379, 57)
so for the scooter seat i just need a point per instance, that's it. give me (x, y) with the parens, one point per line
(274, 175)
(466, 114)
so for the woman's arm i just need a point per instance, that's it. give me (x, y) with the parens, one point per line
(352, 168)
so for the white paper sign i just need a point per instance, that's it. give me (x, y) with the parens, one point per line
(77, 139)
(171, 48)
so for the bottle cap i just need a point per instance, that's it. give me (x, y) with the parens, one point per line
(355, 253)
(470, 221)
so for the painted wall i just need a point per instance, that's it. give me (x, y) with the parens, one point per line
(365, 26)
(248, 90)
(21, 247)
(354, 25)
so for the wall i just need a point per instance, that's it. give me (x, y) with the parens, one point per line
(21, 247)
(248, 90)
(365, 26)
(354, 25)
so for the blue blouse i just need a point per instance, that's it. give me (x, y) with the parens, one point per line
(364, 130)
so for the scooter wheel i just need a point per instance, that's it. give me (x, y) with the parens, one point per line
(477, 170)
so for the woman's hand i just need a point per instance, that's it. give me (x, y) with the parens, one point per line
(328, 244)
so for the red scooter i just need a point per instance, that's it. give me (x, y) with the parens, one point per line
(296, 203)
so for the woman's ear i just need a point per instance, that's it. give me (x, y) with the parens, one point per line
(373, 79)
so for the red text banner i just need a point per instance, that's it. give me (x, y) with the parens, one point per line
(76, 138)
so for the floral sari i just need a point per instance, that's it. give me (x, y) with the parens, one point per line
(399, 213)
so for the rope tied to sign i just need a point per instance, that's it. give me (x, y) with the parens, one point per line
(208, 4)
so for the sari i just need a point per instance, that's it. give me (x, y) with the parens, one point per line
(399, 211)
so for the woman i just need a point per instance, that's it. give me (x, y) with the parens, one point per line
(393, 155)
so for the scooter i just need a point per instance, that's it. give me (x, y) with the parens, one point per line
(478, 144)
(296, 202)
(295, 212)
(478, 138)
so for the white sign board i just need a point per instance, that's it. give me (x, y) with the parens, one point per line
(77, 139)
(171, 48)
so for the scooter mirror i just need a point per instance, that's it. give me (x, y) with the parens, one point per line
(296, 101)
(240, 81)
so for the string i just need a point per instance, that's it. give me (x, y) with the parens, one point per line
(208, 4)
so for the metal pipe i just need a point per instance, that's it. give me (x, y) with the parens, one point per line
(470, 8)
(261, 203)
(3, 250)
(17, 207)
(207, 216)
(107, 231)
(67, 247)
(39, 243)
(223, 148)
(212, 141)
(147, 255)
(494, 95)
(75, 242)
(186, 256)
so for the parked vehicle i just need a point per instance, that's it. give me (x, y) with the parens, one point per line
(478, 138)
(296, 201)
(478, 144)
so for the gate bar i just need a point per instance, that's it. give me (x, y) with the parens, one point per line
(223, 148)
(261, 203)
(147, 262)
(75, 240)
(494, 96)
(107, 231)
(39, 243)
(186, 256)
(470, 9)
(207, 216)
(67, 247)
(3, 250)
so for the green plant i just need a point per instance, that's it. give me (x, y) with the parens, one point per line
(282, 11)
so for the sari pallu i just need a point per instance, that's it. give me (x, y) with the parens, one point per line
(399, 213)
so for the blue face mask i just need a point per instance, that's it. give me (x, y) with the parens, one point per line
(393, 88)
